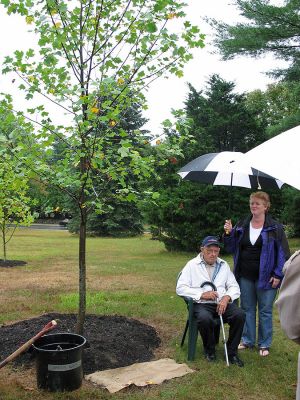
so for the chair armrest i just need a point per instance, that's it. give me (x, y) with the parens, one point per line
(188, 300)
(190, 306)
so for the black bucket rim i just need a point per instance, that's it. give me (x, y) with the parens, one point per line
(51, 335)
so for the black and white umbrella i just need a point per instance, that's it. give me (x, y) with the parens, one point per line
(279, 156)
(227, 168)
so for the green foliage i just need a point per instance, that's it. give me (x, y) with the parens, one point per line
(95, 60)
(295, 215)
(221, 119)
(14, 202)
(116, 216)
(290, 210)
(47, 199)
(84, 65)
(268, 28)
(122, 219)
(277, 108)
(185, 212)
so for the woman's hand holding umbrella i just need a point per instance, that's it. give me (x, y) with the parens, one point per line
(228, 226)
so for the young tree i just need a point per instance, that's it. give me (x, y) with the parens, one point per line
(268, 28)
(119, 217)
(96, 57)
(14, 201)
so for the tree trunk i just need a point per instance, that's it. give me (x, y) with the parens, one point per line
(3, 240)
(82, 272)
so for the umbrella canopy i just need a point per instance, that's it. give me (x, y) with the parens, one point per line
(229, 169)
(279, 157)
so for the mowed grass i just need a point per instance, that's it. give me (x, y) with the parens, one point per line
(134, 277)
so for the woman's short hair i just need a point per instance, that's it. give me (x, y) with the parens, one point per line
(262, 196)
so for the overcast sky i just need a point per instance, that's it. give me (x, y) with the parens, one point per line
(165, 94)
(248, 74)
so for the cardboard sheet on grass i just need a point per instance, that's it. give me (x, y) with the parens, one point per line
(139, 374)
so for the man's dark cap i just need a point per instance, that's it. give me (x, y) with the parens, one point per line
(210, 241)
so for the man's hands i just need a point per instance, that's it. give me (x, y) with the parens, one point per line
(211, 295)
(222, 305)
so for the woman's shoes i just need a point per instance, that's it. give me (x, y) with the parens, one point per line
(243, 346)
(264, 351)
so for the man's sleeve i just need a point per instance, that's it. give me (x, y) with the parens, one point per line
(185, 287)
(289, 298)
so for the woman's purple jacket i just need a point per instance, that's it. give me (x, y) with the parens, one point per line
(275, 249)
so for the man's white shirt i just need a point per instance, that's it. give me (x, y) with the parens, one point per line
(195, 273)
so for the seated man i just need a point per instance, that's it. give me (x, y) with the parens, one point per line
(207, 266)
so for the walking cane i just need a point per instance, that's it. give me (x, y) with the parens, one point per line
(221, 320)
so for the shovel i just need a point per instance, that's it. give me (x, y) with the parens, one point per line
(52, 324)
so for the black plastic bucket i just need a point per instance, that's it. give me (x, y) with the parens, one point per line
(59, 361)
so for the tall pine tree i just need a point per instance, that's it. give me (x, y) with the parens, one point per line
(268, 28)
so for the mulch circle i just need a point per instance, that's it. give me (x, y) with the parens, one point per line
(112, 341)
(11, 263)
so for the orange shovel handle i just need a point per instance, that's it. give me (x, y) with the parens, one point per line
(25, 346)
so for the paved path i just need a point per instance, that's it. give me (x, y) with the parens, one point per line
(52, 227)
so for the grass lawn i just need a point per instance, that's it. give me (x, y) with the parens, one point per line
(136, 278)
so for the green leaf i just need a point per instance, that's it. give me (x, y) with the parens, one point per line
(151, 27)
(124, 152)
(131, 197)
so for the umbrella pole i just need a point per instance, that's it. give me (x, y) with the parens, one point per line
(230, 196)
(229, 200)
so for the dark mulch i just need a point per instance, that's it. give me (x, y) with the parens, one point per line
(113, 341)
(11, 263)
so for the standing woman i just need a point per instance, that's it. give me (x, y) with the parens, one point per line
(260, 249)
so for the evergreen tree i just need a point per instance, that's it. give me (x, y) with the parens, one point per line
(187, 211)
(268, 28)
(221, 119)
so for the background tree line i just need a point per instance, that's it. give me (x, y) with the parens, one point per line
(214, 119)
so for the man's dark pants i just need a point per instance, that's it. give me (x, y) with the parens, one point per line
(234, 316)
